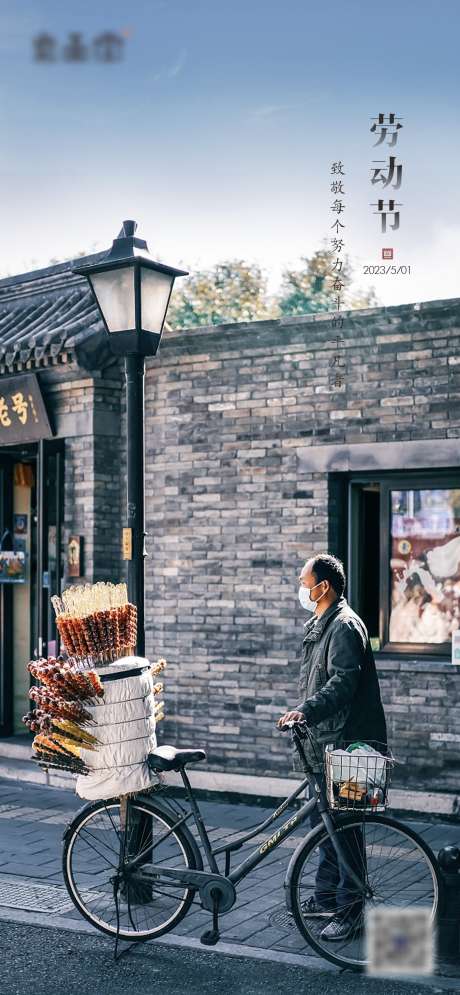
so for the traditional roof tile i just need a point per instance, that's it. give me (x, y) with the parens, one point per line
(46, 314)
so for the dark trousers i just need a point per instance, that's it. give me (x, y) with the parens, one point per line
(333, 886)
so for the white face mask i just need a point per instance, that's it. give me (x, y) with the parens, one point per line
(306, 601)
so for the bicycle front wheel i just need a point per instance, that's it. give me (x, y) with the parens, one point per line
(397, 870)
(96, 849)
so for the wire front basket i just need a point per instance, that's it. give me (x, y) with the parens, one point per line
(358, 779)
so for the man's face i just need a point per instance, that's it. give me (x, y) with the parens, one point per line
(308, 579)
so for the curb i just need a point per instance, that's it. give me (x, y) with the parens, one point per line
(440, 981)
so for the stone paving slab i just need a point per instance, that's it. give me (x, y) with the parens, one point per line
(33, 817)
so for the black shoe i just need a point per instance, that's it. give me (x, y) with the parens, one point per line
(343, 928)
(311, 908)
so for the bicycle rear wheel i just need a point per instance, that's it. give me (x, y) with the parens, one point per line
(137, 910)
(396, 865)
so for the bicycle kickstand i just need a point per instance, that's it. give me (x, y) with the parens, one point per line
(212, 936)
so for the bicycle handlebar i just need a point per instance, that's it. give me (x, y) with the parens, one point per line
(290, 725)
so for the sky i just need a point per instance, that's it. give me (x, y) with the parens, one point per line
(218, 128)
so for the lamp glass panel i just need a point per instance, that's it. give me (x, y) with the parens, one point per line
(114, 290)
(155, 288)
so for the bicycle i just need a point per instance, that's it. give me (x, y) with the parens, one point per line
(136, 886)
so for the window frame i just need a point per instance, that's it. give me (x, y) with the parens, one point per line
(392, 480)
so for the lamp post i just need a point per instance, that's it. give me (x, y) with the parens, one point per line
(132, 292)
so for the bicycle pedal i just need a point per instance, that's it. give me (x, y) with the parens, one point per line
(210, 937)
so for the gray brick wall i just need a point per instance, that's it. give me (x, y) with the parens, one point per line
(231, 517)
(232, 514)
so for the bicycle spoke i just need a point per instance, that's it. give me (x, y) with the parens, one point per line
(390, 861)
(91, 845)
(117, 831)
(138, 908)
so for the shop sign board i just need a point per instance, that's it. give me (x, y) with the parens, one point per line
(23, 416)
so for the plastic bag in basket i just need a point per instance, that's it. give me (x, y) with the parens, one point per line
(365, 766)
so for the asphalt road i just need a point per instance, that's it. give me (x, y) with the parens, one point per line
(45, 961)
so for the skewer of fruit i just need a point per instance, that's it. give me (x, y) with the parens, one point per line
(96, 621)
(61, 760)
(157, 667)
(60, 678)
(59, 707)
(159, 711)
(72, 767)
(39, 721)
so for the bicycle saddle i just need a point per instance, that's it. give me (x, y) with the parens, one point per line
(168, 758)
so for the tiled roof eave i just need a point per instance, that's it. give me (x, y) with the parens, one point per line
(42, 332)
(34, 364)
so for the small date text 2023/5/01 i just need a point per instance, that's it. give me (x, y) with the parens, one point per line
(379, 270)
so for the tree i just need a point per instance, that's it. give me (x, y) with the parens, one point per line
(236, 291)
(232, 291)
(311, 288)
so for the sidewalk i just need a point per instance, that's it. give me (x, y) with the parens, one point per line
(32, 821)
(15, 763)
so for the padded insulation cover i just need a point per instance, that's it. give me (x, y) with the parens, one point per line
(125, 727)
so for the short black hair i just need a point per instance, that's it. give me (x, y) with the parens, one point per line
(328, 567)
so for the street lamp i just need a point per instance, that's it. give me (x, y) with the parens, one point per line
(132, 292)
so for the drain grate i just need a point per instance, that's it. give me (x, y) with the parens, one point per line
(281, 918)
(32, 897)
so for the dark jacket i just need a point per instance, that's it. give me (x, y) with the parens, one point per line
(338, 684)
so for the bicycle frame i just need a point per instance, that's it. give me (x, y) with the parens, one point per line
(200, 877)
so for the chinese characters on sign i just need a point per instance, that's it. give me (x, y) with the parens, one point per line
(23, 416)
(338, 243)
(19, 406)
(385, 172)
(106, 47)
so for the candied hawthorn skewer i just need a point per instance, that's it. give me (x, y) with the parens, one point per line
(78, 685)
(66, 634)
(73, 710)
(74, 765)
(96, 683)
(48, 743)
(157, 667)
(115, 616)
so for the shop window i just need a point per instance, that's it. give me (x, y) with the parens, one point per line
(404, 560)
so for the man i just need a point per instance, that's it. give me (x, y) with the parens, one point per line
(341, 703)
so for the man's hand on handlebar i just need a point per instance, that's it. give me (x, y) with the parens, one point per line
(290, 717)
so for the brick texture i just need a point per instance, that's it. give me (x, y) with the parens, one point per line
(231, 515)
(231, 518)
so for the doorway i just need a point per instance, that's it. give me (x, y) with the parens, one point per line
(31, 522)
(364, 554)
